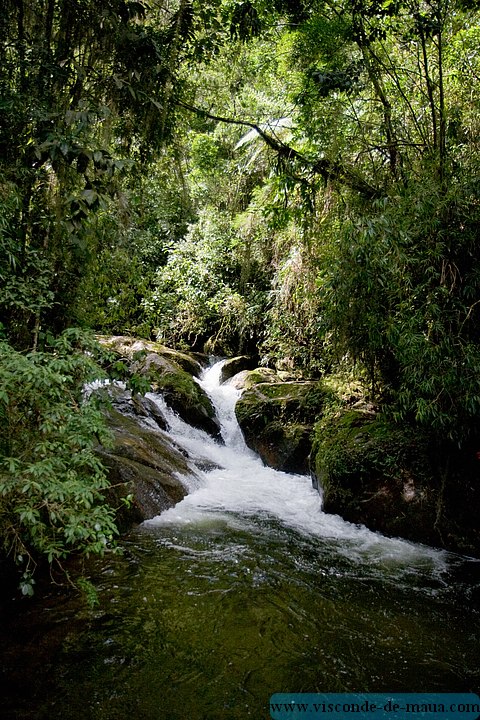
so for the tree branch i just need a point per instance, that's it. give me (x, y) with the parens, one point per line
(325, 168)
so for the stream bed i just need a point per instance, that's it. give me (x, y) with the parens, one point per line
(244, 589)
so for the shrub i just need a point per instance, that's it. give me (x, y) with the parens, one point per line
(51, 481)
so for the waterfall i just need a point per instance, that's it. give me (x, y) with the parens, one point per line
(234, 487)
(244, 588)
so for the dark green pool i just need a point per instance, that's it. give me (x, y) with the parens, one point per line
(207, 621)
(244, 589)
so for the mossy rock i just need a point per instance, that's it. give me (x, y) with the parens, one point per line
(375, 473)
(187, 363)
(233, 366)
(144, 464)
(277, 420)
(394, 479)
(246, 379)
(134, 406)
(284, 447)
(170, 373)
(151, 365)
(132, 348)
(292, 402)
(187, 399)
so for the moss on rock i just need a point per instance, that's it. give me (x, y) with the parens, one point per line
(247, 379)
(288, 401)
(277, 419)
(144, 466)
(186, 398)
(132, 347)
(394, 479)
(170, 373)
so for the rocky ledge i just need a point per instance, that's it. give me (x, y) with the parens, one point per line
(394, 479)
(171, 373)
(144, 466)
(397, 480)
(143, 462)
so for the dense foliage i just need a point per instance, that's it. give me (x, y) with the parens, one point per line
(294, 180)
(51, 481)
(341, 149)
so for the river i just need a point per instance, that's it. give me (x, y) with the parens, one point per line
(244, 589)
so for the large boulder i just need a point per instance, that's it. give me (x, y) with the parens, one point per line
(143, 464)
(172, 374)
(132, 347)
(187, 399)
(246, 379)
(396, 480)
(277, 421)
(232, 366)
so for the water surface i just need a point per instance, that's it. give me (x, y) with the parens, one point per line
(244, 589)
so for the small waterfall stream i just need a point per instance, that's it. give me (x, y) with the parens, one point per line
(243, 589)
(242, 489)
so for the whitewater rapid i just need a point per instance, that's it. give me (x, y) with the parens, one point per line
(242, 492)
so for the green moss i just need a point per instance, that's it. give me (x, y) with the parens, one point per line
(376, 472)
(186, 398)
(170, 373)
(186, 362)
(277, 420)
(260, 375)
(133, 348)
(338, 452)
(181, 385)
(292, 402)
(350, 447)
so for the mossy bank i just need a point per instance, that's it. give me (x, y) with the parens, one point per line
(397, 480)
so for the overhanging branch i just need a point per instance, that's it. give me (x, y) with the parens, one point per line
(325, 168)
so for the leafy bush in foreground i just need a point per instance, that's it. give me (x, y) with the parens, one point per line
(51, 482)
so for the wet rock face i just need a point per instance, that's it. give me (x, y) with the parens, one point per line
(395, 480)
(172, 374)
(277, 421)
(187, 399)
(142, 462)
(137, 406)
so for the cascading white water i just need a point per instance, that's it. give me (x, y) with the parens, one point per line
(240, 490)
(243, 589)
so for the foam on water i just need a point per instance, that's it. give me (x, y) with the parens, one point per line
(240, 489)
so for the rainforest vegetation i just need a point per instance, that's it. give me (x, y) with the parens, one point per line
(297, 181)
